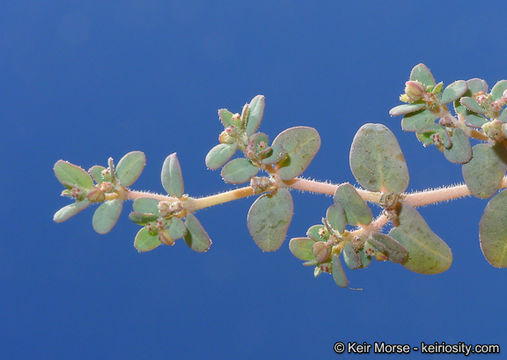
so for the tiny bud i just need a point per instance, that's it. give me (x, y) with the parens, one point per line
(404, 98)
(96, 195)
(323, 232)
(163, 208)
(480, 97)
(175, 206)
(262, 145)
(231, 131)
(415, 90)
(225, 138)
(326, 267)
(75, 192)
(106, 186)
(436, 139)
(494, 130)
(159, 224)
(321, 251)
(165, 238)
(496, 106)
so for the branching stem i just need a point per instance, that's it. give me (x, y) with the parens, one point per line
(415, 199)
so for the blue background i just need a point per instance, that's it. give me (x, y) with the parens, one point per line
(84, 80)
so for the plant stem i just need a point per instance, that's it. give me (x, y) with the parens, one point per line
(415, 199)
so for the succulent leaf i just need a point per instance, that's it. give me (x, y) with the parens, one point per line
(72, 175)
(238, 171)
(171, 177)
(356, 210)
(145, 241)
(493, 231)
(196, 237)
(130, 167)
(70, 210)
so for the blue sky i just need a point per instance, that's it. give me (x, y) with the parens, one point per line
(83, 81)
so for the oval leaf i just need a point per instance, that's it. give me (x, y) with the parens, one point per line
(405, 109)
(302, 248)
(142, 218)
(300, 143)
(130, 167)
(196, 237)
(339, 276)
(238, 171)
(418, 121)
(357, 211)
(392, 248)
(335, 216)
(421, 73)
(472, 105)
(427, 253)
(72, 175)
(256, 111)
(460, 151)
(219, 155)
(473, 120)
(454, 91)
(376, 160)
(171, 177)
(498, 89)
(145, 241)
(483, 174)
(225, 117)
(313, 232)
(475, 85)
(96, 173)
(351, 258)
(177, 228)
(493, 231)
(269, 218)
(106, 215)
(146, 205)
(68, 211)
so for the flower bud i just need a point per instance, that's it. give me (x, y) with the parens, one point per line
(494, 130)
(415, 90)
(164, 208)
(96, 195)
(321, 251)
(225, 138)
(106, 186)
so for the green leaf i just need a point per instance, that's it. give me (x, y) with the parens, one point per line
(460, 151)
(196, 237)
(472, 105)
(142, 218)
(145, 241)
(277, 154)
(498, 89)
(426, 136)
(146, 205)
(365, 259)
(225, 117)
(68, 211)
(335, 216)
(269, 218)
(483, 174)
(392, 248)
(454, 91)
(422, 74)
(302, 248)
(376, 160)
(256, 111)
(493, 231)
(427, 253)
(351, 258)
(106, 215)
(473, 120)
(339, 276)
(313, 232)
(356, 210)
(219, 155)
(503, 116)
(72, 175)
(406, 109)
(301, 143)
(130, 167)
(238, 171)
(171, 177)
(177, 228)
(475, 85)
(418, 121)
(96, 173)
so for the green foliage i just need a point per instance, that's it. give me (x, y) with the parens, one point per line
(348, 230)
(269, 218)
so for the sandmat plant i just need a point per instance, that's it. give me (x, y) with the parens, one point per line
(475, 137)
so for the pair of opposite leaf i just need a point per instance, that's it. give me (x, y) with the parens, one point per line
(286, 158)
(485, 164)
(378, 165)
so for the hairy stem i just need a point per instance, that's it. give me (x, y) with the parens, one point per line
(415, 199)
